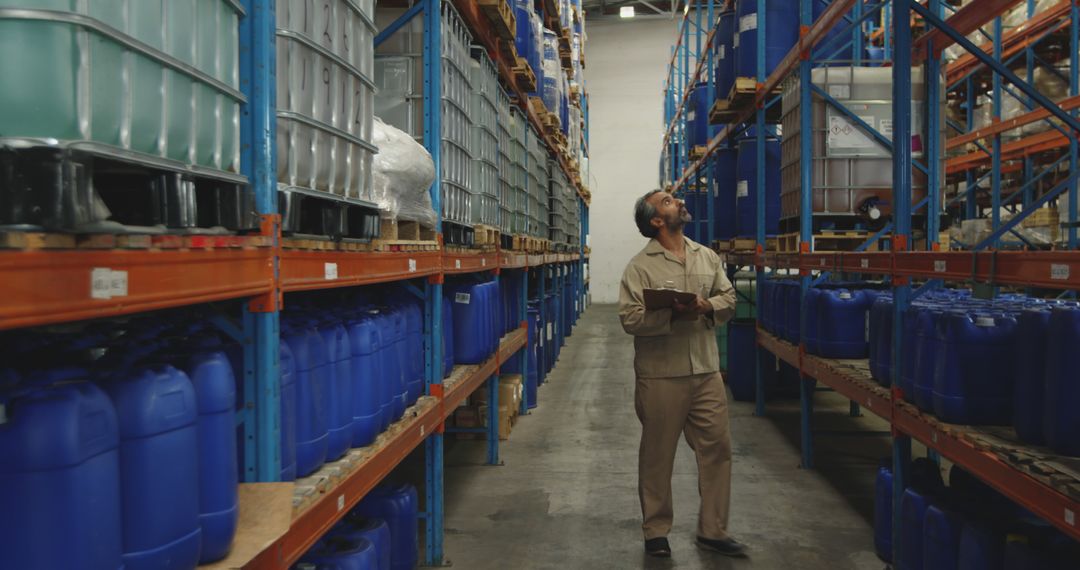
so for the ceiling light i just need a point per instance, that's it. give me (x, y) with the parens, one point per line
(626, 12)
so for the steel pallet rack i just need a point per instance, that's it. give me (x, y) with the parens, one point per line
(122, 276)
(903, 264)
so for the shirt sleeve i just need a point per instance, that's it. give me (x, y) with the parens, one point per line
(722, 296)
(635, 319)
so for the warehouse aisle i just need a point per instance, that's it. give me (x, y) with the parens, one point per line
(566, 497)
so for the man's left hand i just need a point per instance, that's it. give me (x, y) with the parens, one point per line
(699, 306)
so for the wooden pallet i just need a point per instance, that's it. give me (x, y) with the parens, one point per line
(850, 240)
(404, 230)
(743, 245)
(356, 246)
(381, 245)
(486, 236)
(566, 58)
(506, 48)
(502, 17)
(524, 75)
(788, 243)
(547, 118)
(741, 97)
(532, 244)
(564, 39)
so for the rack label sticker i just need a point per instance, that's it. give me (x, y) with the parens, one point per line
(1059, 271)
(864, 263)
(330, 271)
(99, 282)
(1070, 517)
(412, 266)
(940, 266)
(748, 23)
(483, 262)
(743, 189)
(341, 502)
(463, 298)
(106, 283)
(735, 42)
(723, 52)
(822, 262)
(457, 264)
(549, 329)
(118, 284)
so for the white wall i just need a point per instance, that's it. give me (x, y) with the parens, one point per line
(626, 62)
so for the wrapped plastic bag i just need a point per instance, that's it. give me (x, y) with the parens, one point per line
(403, 173)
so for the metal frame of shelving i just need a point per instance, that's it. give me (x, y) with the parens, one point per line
(982, 263)
(54, 286)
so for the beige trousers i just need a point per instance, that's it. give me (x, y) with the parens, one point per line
(696, 407)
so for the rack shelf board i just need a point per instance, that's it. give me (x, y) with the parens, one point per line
(51, 286)
(1027, 475)
(848, 377)
(308, 270)
(340, 485)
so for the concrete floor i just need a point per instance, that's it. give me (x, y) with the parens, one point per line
(566, 495)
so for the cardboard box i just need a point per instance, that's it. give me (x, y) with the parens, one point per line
(515, 385)
(511, 391)
(506, 419)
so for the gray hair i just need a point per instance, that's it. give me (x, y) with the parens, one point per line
(644, 212)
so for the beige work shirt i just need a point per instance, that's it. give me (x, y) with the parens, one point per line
(666, 348)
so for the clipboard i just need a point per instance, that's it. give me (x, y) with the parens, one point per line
(656, 299)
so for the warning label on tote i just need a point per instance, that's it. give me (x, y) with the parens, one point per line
(747, 23)
(462, 298)
(846, 134)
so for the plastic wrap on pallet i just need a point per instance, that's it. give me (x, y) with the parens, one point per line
(552, 85)
(403, 174)
(537, 52)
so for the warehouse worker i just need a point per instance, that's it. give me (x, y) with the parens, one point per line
(679, 389)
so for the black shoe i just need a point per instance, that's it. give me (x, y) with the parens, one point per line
(658, 547)
(727, 547)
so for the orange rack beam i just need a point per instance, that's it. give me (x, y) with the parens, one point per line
(966, 20)
(1036, 115)
(307, 270)
(1049, 269)
(469, 262)
(52, 286)
(1034, 144)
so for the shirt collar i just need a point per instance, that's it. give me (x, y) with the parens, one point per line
(654, 247)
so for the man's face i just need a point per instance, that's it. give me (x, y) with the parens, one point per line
(670, 211)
